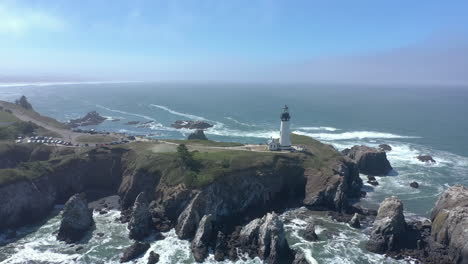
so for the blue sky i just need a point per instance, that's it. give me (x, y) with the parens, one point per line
(244, 40)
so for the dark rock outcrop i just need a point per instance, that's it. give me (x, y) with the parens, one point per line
(450, 222)
(139, 224)
(388, 230)
(385, 147)
(129, 123)
(414, 185)
(309, 233)
(76, 219)
(153, 258)
(198, 134)
(354, 222)
(331, 188)
(23, 102)
(190, 124)
(202, 238)
(135, 250)
(220, 247)
(265, 238)
(371, 161)
(90, 119)
(426, 158)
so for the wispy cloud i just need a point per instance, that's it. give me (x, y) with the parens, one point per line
(18, 20)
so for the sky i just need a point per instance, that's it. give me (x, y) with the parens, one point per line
(333, 41)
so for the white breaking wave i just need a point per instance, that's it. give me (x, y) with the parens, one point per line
(126, 113)
(239, 122)
(318, 128)
(351, 135)
(190, 116)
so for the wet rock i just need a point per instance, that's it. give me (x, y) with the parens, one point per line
(198, 134)
(309, 233)
(354, 222)
(76, 219)
(426, 158)
(202, 238)
(190, 124)
(371, 178)
(265, 238)
(414, 185)
(371, 161)
(78, 248)
(385, 147)
(100, 234)
(450, 222)
(139, 224)
(153, 258)
(220, 247)
(373, 183)
(388, 230)
(130, 123)
(134, 251)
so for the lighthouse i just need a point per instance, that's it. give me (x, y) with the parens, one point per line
(285, 133)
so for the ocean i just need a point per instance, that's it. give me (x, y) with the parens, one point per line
(413, 120)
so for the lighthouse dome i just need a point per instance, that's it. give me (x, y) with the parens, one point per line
(285, 116)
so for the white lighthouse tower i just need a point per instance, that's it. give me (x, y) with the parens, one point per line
(285, 133)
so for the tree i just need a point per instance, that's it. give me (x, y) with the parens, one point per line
(186, 158)
(23, 102)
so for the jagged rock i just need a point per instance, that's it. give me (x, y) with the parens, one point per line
(198, 134)
(135, 250)
(76, 219)
(202, 238)
(426, 158)
(354, 222)
(139, 222)
(90, 119)
(385, 147)
(373, 182)
(371, 178)
(79, 248)
(331, 189)
(371, 161)
(389, 227)
(153, 258)
(265, 238)
(450, 222)
(190, 124)
(23, 102)
(414, 185)
(132, 123)
(309, 233)
(300, 258)
(220, 247)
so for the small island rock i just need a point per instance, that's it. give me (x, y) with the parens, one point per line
(370, 161)
(76, 219)
(309, 233)
(135, 250)
(90, 119)
(198, 134)
(426, 158)
(139, 222)
(388, 230)
(265, 238)
(385, 147)
(153, 258)
(190, 124)
(414, 185)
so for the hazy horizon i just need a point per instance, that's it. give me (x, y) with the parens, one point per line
(265, 41)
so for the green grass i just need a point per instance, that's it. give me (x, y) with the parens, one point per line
(208, 143)
(25, 171)
(6, 118)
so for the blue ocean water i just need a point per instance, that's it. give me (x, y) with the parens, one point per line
(413, 120)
